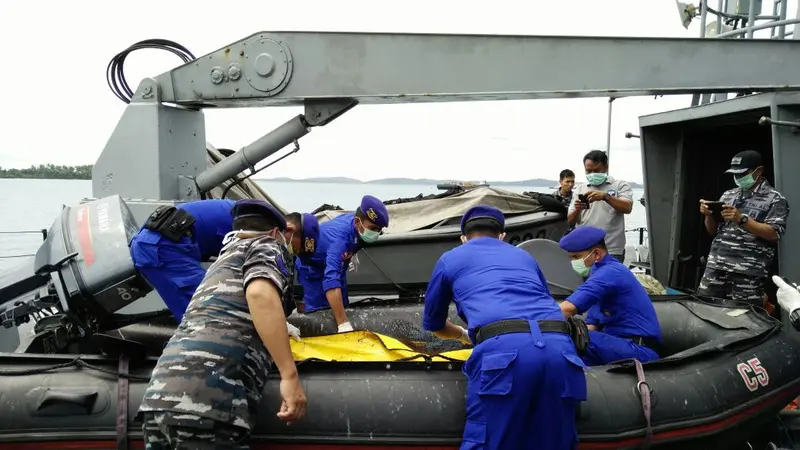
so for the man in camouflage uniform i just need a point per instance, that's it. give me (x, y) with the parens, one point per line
(207, 384)
(753, 220)
(566, 182)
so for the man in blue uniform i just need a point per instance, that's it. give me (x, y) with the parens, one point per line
(525, 379)
(621, 318)
(206, 386)
(324, 274)
(170, 246)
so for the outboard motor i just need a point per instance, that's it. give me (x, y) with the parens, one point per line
(81, 275)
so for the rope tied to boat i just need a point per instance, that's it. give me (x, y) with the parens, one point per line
(643, 389)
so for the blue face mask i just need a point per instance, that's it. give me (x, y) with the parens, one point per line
(596, 179)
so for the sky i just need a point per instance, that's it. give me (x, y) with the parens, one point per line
(57, 107)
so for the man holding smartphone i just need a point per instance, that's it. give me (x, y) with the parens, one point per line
(603, 202)
(746, 223)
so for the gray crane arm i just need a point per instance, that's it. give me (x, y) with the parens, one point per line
(291, 68)
(158, 150)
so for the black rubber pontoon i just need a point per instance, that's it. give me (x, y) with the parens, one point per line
(728, 371)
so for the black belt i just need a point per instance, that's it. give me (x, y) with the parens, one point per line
(518, 326)
(171, 222)
(643, 341)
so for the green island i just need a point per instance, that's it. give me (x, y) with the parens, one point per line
(55, 172)
(50, 172)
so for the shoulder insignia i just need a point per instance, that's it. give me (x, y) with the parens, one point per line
(309, 245)
(372, 214)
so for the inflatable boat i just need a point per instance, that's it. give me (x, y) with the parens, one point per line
(421, 229)
(81, 365)
(391, 385)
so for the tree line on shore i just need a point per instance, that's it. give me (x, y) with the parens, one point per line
(50, 172)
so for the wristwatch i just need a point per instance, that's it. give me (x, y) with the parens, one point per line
(744, 219)
(605, 196)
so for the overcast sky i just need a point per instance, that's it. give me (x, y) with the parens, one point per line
(57, 107)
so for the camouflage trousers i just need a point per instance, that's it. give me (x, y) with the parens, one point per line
(732, 286)
(178, 431)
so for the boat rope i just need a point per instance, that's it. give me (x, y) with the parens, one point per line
(400, 288)
(76, 362)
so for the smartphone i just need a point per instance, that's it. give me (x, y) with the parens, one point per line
(582, 198)
(716, 209)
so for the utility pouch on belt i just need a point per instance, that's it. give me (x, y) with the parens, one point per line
(170, 222)
(579, 333)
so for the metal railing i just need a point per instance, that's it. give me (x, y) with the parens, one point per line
(42, 232)
(775, 22)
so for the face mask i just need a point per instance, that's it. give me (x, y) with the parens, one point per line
(580, 267)
(596, 179)
(745, 182)
(369, 236)
(288, 243)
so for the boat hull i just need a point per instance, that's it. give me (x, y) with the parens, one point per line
(725, 377)
(407, 259)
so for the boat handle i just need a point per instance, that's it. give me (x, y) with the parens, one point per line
(67, 402)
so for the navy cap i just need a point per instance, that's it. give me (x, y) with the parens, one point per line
(483, 212)
(744, 161)
(258, 208)
(310, 235)
(375, 211)
(582, 238)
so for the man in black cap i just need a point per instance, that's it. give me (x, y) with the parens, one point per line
(206, 386)
(753, 219)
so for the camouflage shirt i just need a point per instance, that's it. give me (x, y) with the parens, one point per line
(215, 366)
(735, 249)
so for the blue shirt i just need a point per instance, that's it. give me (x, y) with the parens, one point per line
(616, 301)
(213, 220)
(489, 280)
(327, 267)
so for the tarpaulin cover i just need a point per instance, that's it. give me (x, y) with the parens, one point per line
(365, 346)
(422, 214)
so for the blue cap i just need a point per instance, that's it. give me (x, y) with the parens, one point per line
(310, 234)
(483, 212)
(258, 208)
(582, 238)
(375, 211)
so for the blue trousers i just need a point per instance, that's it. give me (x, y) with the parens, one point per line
(172, 268)
(523, 391)
(604, 348)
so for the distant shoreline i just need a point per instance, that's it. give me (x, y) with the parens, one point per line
(49, 172)
(534, 182)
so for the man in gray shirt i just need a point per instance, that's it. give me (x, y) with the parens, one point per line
(603, 202)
